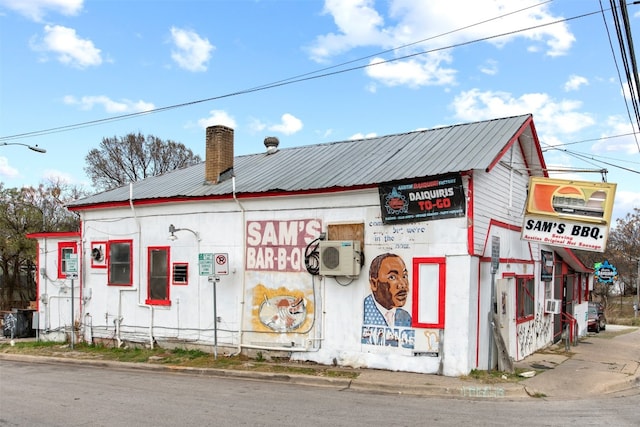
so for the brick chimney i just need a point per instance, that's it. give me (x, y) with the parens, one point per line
(219, 153)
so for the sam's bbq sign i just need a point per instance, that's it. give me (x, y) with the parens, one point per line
(436, 197)
(280, 245)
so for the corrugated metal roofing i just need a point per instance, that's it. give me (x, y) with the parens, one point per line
(343, 164)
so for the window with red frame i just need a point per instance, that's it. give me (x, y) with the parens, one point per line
(120, 262)
(64, 250)
(180, 273)
(525, 298)
(158, 276)
(429, 278)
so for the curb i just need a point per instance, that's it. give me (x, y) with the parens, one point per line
(339, 383)
(469, 391)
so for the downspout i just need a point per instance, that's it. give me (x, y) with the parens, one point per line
(43, 276)
(139, 287)
(242, 210)
(80, 283)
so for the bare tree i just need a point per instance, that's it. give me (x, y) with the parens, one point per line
(624, 247)
(120, 160)
(623, 252)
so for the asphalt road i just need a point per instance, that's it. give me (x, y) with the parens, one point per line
(41, 394)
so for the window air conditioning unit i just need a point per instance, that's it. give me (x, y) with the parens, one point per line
(339, 257)
(553, 306)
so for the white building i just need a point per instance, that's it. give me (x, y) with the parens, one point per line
(273, 252)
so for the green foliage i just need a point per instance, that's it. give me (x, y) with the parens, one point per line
(494, 376)
(189, 354)
(172, 357)
(23, 211)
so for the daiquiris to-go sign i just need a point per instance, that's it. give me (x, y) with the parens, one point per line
(572, 214)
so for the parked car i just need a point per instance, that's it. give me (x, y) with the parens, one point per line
(596, 320)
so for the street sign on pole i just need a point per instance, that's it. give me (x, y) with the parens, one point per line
(71, 263)
(205, 264)
(221, 266)
(71, 270)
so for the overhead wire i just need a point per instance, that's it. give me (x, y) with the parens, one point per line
(296, 79)
(624, 40)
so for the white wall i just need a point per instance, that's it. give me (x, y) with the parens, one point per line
(334, 333)
(332, 327)
(54, 293)
(499, 195)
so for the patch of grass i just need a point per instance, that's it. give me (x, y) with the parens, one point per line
(493, 377)
(36, 344)
(496, 377)
(300, 370)
(174, 356)
(341, 374)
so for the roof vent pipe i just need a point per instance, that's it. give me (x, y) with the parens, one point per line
(271, 142)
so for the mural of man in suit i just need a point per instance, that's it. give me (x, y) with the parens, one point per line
(389, 281)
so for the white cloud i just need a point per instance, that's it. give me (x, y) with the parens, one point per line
(360, 135)
(37, 9)
(625, 202)
(217, 117)
(191, 52)
(326, 134)
(6, 170)
(416, 72)
(360, 24)
(490, 67)
(255, 125)
(289, 125)
(575, 82)
(68, 47)
(626, 87)
(110, 106)
(626, 143)
(551, 116)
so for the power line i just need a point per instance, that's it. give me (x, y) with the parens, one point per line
(589, 140)
(606, 163)
(599, 156)
(586, 158)
(624, 39)
(292, 80)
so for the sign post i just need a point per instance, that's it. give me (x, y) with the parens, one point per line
(71, 265)
(212, 266)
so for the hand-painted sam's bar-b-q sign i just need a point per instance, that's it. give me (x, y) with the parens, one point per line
(435, 197)
(280, 245)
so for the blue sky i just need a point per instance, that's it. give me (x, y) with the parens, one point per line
(393, 66)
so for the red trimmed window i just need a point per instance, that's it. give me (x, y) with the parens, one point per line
(120, 260)
(65, 249)
(158, 275)
(525, 298)
(429, 279)
(180, 273)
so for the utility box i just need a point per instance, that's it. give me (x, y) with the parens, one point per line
(340, 257)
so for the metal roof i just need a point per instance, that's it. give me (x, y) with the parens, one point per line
(343, 164)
